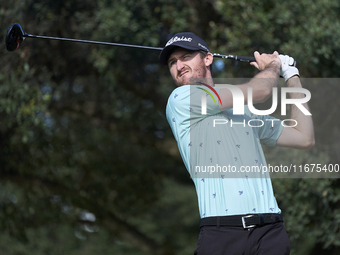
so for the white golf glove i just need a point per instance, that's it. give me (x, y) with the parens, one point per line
(288, 69)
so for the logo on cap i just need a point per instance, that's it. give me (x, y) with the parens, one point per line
(178, 39)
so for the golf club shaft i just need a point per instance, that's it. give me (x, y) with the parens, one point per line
(89, 41)
(238, 58)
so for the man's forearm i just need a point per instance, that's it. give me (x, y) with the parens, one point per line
(304, 122)
(263, 83)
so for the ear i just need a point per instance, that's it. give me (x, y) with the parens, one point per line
(208, 59)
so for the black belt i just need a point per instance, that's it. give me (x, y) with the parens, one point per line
(245, 221)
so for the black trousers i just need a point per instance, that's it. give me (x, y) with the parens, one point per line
(270, 239)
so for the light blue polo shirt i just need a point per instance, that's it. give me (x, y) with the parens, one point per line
(222, 153)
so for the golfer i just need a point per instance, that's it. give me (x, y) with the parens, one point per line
(239, 213)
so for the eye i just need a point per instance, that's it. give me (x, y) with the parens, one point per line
(172, 62)
(186, 56)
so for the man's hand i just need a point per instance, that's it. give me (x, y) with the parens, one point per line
(287, 69)
(265, 60)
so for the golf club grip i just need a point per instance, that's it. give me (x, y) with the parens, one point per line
(252, 59)
(245, 59)
(241, 58)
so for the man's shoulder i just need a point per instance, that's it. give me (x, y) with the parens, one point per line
(179, 91)
(179, 94)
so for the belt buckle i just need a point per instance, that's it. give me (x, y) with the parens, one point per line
(244, 222)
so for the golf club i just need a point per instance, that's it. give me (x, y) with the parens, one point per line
(16, 35)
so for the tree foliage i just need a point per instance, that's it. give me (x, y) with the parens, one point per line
(85, 149)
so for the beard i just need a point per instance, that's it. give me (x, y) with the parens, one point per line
(195, 74)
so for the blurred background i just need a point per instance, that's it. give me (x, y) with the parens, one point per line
(88, 163)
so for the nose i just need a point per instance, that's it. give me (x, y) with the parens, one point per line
(179, 65)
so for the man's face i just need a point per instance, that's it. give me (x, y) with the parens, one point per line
(185, 64)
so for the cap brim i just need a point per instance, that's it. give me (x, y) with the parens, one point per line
(165, 54)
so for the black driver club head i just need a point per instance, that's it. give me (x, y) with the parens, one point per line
(14, 37)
